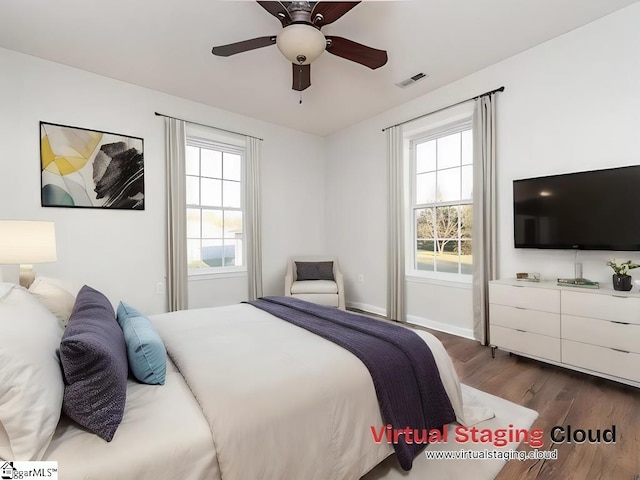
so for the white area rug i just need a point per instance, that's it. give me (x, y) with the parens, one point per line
(477, 469)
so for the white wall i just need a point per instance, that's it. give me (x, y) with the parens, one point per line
(570, 104)
(122, 252)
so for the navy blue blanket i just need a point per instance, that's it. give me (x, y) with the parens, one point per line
(404, 372)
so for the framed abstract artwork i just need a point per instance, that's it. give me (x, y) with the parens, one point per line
(90, 169)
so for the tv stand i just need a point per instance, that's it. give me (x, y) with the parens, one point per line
(589, 330)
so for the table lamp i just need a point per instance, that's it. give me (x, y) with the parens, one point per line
(25, 243)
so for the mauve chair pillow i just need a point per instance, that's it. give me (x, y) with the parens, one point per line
(314, 271)
(94, 364)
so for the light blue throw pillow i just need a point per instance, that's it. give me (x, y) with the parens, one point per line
(145, 350)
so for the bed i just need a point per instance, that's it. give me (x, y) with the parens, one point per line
(246, 396)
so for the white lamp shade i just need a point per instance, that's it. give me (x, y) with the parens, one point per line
(27, 242)
(301, 43)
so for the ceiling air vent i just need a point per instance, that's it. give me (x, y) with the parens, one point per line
(410, 81)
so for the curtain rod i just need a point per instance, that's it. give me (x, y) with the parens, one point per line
(208, 126)
(501, 89)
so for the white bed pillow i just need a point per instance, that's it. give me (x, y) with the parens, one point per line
(57, 295)
(31, 384)
(5, 289)
(5, 445)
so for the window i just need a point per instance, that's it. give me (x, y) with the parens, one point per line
(441, 205)
(215, 206)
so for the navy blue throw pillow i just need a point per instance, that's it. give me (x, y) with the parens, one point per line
(94, 364)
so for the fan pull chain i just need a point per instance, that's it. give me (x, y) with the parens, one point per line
(300, 84)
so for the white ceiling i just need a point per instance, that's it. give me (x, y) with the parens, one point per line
(166, 45)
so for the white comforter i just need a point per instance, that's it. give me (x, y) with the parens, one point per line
(281, 402)
(163, 436)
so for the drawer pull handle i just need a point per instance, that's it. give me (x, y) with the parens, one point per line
(618, 350)
(620, 323)
(520, 308)
(518, 330)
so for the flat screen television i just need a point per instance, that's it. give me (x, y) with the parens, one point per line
(596, 210)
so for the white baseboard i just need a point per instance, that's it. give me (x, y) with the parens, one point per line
(441, 327)
(414, 319)
(368, 308)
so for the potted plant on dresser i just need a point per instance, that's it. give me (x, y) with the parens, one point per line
(622, 281)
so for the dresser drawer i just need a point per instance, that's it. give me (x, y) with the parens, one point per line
(535, 298)
(525, 342)
(534, 321)
(601, 332)
(607, 307)
(601, 359)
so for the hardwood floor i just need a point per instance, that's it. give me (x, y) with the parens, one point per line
(561, 397)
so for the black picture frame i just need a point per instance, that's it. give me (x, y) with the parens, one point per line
(84, 168)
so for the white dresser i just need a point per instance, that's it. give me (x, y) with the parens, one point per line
(591, 330)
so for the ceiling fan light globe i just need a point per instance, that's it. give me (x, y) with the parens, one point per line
(300, 40)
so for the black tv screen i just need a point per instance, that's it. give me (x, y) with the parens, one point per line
(597, 210)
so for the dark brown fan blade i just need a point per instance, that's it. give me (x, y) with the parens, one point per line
(330, 11)
(301, 77)
(356, 52)
(278, 10)
(239, 47)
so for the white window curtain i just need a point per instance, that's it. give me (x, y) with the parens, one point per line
(484, 211)
(177, 280)
(254, 239)
(396, 246)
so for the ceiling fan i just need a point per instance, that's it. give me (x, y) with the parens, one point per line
(301, 40)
